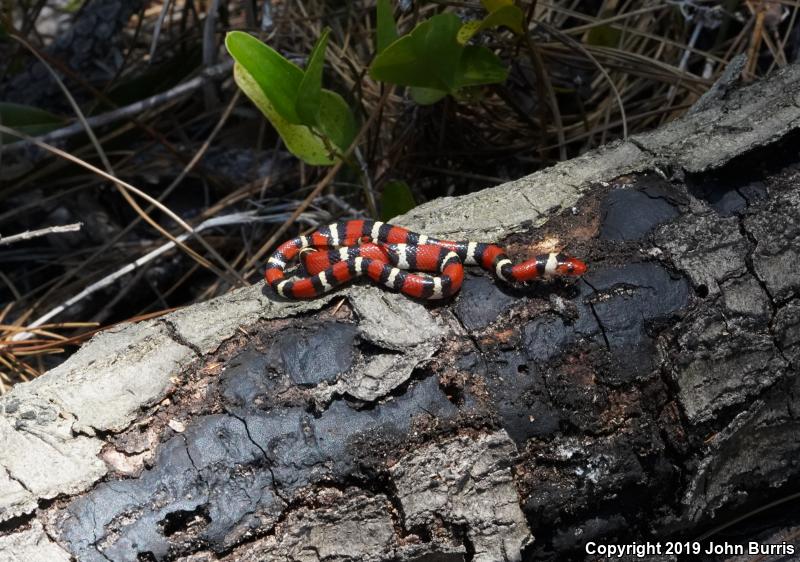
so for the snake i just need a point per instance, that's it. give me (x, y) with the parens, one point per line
(415, 264)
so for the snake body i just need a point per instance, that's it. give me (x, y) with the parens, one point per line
(389, 255)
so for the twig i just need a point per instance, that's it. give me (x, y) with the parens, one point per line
(157, 30)
(122, 186)
(189, 166)
(210, 50)
(571, 43)
(234, 218)
(366, 183)
(28, 234)
(220, 70)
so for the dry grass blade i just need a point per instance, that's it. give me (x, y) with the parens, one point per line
(135, 109)
(125, 185)
(129, 268)
(121, 187)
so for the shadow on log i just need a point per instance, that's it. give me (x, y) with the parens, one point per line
(653, 400)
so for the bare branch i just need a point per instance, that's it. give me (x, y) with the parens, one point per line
(28, 234)
(220, 70)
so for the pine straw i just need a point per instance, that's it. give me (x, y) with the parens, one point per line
(579, 80)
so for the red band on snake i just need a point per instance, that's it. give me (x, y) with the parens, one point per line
(389, 255)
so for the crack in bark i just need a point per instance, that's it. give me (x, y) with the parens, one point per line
(20, 482)
(264, 454)
(597, 316)
(177, 337)
(635, 142)
(97, 539)
(748, 260)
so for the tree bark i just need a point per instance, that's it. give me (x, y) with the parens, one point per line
(651, 401)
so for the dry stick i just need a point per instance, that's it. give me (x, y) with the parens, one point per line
(14, 292)
(544, 85)
(158, 26)
(786, 37)
(133, 109)
(323, 183)
(684, 62)
(119, 184)
(98, 171)
(28, 234)
(366, 183)
(595, 22)
(101, 96)
(755, 43)
(189, 166)
(210, 50)
(143, 214)
(235, 218)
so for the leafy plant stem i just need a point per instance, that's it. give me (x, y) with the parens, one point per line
(322, 184)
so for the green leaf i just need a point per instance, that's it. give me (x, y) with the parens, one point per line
(73, 6)
(479, 65)
(26, 119)
(467, 30)
(336, 120)
(494, 5)
(508, 16)
(386, 26)
(427, 57)
(309, 94)
(278, 78)
(299, 139)
(334, 126)
(396, 199)
(427, 96)
(604, 35)
(432, 61)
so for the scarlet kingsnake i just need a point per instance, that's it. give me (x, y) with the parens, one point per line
(383, 251)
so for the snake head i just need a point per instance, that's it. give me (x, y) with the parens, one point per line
(567, 266)
(547, 266)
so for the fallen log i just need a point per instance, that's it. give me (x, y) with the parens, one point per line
(652, 401)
